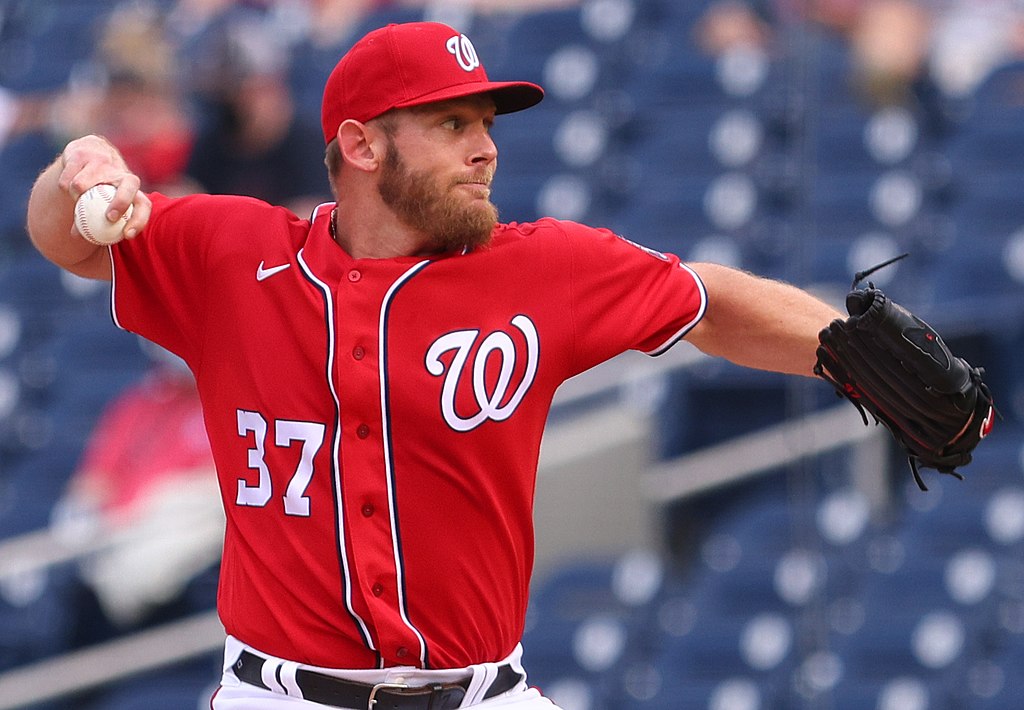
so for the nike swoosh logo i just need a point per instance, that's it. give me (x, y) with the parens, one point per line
(265, 273)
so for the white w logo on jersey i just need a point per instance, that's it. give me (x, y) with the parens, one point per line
(489, 403)
(464, 51)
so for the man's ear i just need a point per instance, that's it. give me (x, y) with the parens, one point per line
(360, 145)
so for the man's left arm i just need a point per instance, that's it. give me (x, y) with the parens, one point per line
(758, 322)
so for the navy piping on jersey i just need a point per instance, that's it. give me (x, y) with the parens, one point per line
(389, 459)
(329, 321)
(664, 348)
(113, 291)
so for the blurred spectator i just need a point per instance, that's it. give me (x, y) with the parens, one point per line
(899, 44)
(256, 136)
(256, 143)
(332, 21)
(146, 484)
(134, 99)
(251, 140)
(322, 30)
(889, 40)
(23, 113)
(731, 24)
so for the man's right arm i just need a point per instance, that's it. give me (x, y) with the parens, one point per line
(84, 163)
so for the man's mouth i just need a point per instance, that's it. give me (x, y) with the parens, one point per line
(481, 187)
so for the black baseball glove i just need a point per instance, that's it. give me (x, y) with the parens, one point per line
(894, 366)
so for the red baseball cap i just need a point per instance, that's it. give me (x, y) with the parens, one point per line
(410, 64)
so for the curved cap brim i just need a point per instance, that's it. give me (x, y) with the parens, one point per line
(509, 96)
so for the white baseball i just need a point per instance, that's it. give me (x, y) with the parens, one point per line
(91, 216)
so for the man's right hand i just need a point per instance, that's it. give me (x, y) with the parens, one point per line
(92, 160)
(84, 163)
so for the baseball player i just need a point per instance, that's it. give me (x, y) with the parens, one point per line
(375, 379)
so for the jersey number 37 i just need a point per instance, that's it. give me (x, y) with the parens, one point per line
(286, 434)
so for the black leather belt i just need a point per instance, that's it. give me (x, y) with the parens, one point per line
(336, 692)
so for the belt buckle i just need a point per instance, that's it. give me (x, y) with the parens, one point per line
(383, 686)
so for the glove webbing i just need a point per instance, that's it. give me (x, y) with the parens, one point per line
(848, 391)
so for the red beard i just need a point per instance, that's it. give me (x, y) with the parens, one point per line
(424, 204)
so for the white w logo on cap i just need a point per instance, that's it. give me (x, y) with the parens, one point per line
(464, 52)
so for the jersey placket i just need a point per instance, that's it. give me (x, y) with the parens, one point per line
(369, 505)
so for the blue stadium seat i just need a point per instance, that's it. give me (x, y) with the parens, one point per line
(647, 688)
(963, 505)
(989, 134)
(31, 283)
(838, 143)
(42, 40)
(94, 344)
(997, 681)
(827, 61)
(684, 76)
(757, 645)
(184, 686)
(526, 142)
(926, 641)
(37, 616)
(677, 141)
(985, 155)
(532, 38)
(34, 485)
(839, 201)
(579, 632)
(903, 691)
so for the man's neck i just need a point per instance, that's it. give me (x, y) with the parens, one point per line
(386, 240)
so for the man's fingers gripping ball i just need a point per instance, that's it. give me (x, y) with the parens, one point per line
(91, 216)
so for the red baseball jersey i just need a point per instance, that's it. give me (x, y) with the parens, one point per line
(376, 423)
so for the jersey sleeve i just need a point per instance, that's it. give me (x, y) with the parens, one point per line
(160, 282)
(627, 297)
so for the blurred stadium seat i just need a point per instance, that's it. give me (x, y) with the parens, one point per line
(181, 687)
(42, 40)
